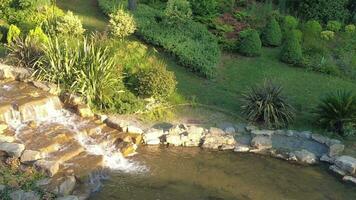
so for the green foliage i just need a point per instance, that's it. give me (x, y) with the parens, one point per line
(38, 36)
(110, 6)
(291, 51)
(13, 33)
(70, 25)
(122, 24)
(86, 68)
(289, 23)
(272, 34)
(192, 44)
(24, 52)
(337, 111)
(265, 104)
(155, 82)
(327, 35)
(204, 7)
(127, 103)
(250, 44)
(334, 26)
(350, 28)
(178, 10)
(4, 28)
(323, 10)
(312, 28)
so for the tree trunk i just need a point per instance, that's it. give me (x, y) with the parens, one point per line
(132, 4)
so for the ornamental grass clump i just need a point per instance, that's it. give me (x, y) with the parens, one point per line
(266, 105)
(337, 112)
(122, 24)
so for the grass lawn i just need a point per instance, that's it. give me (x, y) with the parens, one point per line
(88, 11)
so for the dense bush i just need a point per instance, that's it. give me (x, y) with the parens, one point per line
(291, 51)
(350, 28)
(70, 25)
(323, 10)
(86, 68)
(337, 112)
(334, 26)
(265, 104)
(193, 45)
(312, 28)
(154, 82)
(250, 44)
(327, 35)
(272, 34)
(13, 33)
(178, 10)
(204, 8)
(289, 23)
(110, 6)
(121, 24)
(4, 28)
(127, 103)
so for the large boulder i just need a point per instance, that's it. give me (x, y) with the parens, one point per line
(66, 187)
(31, 156)
(320, 138)
(336, 149)
(153, 136)
(261, 142)
(346, 163)
(48, 167)
(12, 149)
(305, 156)
(218, 139)
(193, 136)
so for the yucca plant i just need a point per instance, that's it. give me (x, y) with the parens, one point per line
(266, 105)
(337, 112)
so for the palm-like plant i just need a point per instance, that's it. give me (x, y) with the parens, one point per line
(265, 104)
(336, 110)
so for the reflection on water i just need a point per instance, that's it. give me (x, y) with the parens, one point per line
(194, 174)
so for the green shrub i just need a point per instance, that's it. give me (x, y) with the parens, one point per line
(24, 53)
(291, 51)
(312, 28)
(265, 104)
(127, 103)
(289, 23)
(4, 28)
(250, 44)
(154, 82)
(204, 7)
(350, 28)
(327, 35)
(122, 24)
(13, 33)
(323, 10)
(110, 6)
(334, 26)
(272, 34)
(38, 36)
(87, 69)
(178, 10)
(190, 42)
(70, 25)
(336, 111)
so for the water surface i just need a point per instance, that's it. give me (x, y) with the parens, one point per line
(195, 174)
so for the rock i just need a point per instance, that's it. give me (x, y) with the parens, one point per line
(133, 129)
(268, 133)
(30, 156)
(84, 111)
(114, 123)
(174, 139)
(3, 127)
(290, 133)
(22, 195)
(337, 170)
(67, 186)
(336, 149)
(319, 138)
(194, 136)
(230, 130)
(12, 149)
(305, 156)
(261, 142)
(331, 142)
(349, 179)
(71, 100)
(48, 167)
(176, 130)
(216, 131)
(43, 182)
(7, 138)
(242, 148)
(346, 163)
(251, 128)
(304, 134)
(14, 73)
(218, 140)
(48, 87)
(326, 158)
(153, 136)
(240, 128)
(69, 197)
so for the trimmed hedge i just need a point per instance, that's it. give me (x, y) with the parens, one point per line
(191, 42)
(272, 34)
(291, 51)
(251, 44)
